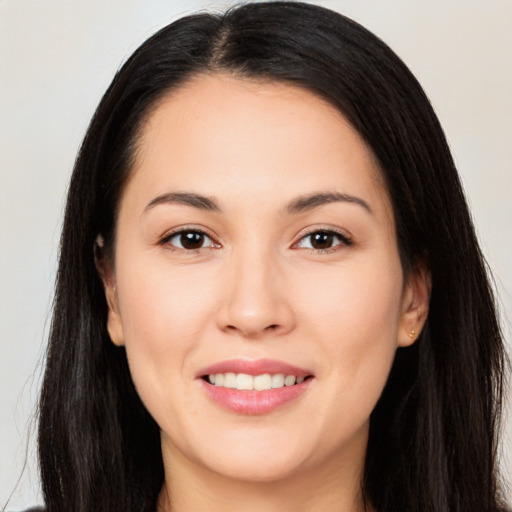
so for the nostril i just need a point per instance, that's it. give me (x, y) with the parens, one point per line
(233, 328)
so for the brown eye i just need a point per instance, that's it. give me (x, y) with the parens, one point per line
(189, 240)
(323, 240)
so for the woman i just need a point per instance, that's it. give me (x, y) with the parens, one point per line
(270, 294)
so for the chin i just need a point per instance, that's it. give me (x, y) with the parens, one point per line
(252, 456)
(260, 469)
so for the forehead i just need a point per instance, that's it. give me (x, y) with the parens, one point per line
(221, 103)
(219, 134)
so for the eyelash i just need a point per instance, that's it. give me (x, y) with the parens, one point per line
(344, 240)
(182, 231)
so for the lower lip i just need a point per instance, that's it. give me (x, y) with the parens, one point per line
(255, 402)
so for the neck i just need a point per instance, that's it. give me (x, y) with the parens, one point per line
(332, 487)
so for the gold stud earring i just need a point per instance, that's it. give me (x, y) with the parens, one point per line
(412, 333)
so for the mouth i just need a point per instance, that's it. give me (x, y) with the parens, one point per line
(246, 382)
(254, 387)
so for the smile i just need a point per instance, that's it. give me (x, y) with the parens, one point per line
(254, 387)
(245, 382)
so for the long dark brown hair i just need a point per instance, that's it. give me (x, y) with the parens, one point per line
(433, 434)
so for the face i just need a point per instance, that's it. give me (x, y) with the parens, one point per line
(256, 283)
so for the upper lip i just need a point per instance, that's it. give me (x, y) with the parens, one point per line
(257, 367)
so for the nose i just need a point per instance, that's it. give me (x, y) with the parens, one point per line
(255, 301)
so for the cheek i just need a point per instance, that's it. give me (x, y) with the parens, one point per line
(358, 302)
(164, 312)
(355, 322)
(161, 305)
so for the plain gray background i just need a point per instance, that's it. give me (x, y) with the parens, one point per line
(56, 60)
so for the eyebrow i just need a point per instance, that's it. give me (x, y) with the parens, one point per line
(298, 205)
(308, 202)
(187, 199)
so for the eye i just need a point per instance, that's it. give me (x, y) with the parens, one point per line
(323, 240)
(189, 240)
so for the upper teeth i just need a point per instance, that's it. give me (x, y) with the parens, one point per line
(242, 381)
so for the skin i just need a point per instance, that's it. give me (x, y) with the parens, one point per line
(257, 289)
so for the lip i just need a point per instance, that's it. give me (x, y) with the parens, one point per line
(253, 368)
(254, 402)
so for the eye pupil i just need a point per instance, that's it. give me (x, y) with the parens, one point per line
(191, 240)
(322, 240)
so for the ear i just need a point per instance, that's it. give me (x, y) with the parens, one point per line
(106, 272)
(415, 301)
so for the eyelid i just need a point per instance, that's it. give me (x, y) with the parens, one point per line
(345, 238)
(164, 239)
